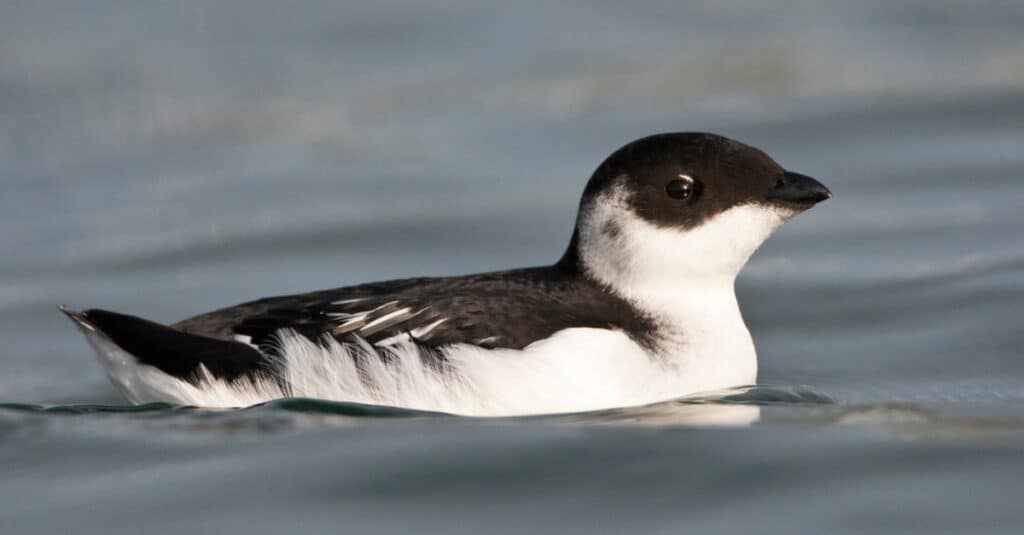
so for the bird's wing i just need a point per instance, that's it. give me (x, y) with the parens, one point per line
(372, 318)
(497, 310)
(507, 310)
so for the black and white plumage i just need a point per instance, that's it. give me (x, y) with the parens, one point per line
(640, 308)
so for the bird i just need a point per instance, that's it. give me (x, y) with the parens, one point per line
(641, 308)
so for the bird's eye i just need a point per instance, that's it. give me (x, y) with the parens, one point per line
(684, 188)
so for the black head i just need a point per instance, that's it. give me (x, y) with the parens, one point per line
(683, 179)
(682, 204)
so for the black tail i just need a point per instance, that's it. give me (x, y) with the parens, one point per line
(174, 352)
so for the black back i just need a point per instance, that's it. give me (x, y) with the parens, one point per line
(508, 309)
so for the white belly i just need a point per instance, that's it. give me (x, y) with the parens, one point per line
(579, 369)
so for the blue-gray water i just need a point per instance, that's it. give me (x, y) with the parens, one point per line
(168, 159)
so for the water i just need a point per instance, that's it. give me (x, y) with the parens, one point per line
(168, 159)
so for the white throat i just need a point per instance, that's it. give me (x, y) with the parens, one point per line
(683, 279)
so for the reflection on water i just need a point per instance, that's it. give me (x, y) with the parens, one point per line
(776, 406)
(671, 413)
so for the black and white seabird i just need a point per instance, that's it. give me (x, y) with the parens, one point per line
(641, 308)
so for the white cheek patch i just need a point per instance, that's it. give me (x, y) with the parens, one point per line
(641, 254)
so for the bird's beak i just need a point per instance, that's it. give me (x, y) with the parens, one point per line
(798, 189)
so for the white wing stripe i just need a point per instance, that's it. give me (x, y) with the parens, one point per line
(420, 332)
(385, 318)
(348, 301)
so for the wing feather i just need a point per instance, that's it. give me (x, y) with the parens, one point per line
(507, 309)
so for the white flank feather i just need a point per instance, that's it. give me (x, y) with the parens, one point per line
(574, 370)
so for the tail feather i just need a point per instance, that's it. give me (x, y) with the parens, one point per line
(173, 352)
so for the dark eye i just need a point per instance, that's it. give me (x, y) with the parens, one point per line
(684, 188)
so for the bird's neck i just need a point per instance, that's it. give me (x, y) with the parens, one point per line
(688, 309)
(683, 281)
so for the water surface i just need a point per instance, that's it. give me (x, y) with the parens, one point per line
(169, 159)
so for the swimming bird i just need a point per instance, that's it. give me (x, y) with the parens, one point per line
(640, 308)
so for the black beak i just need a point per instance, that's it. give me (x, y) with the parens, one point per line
(799, 189)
